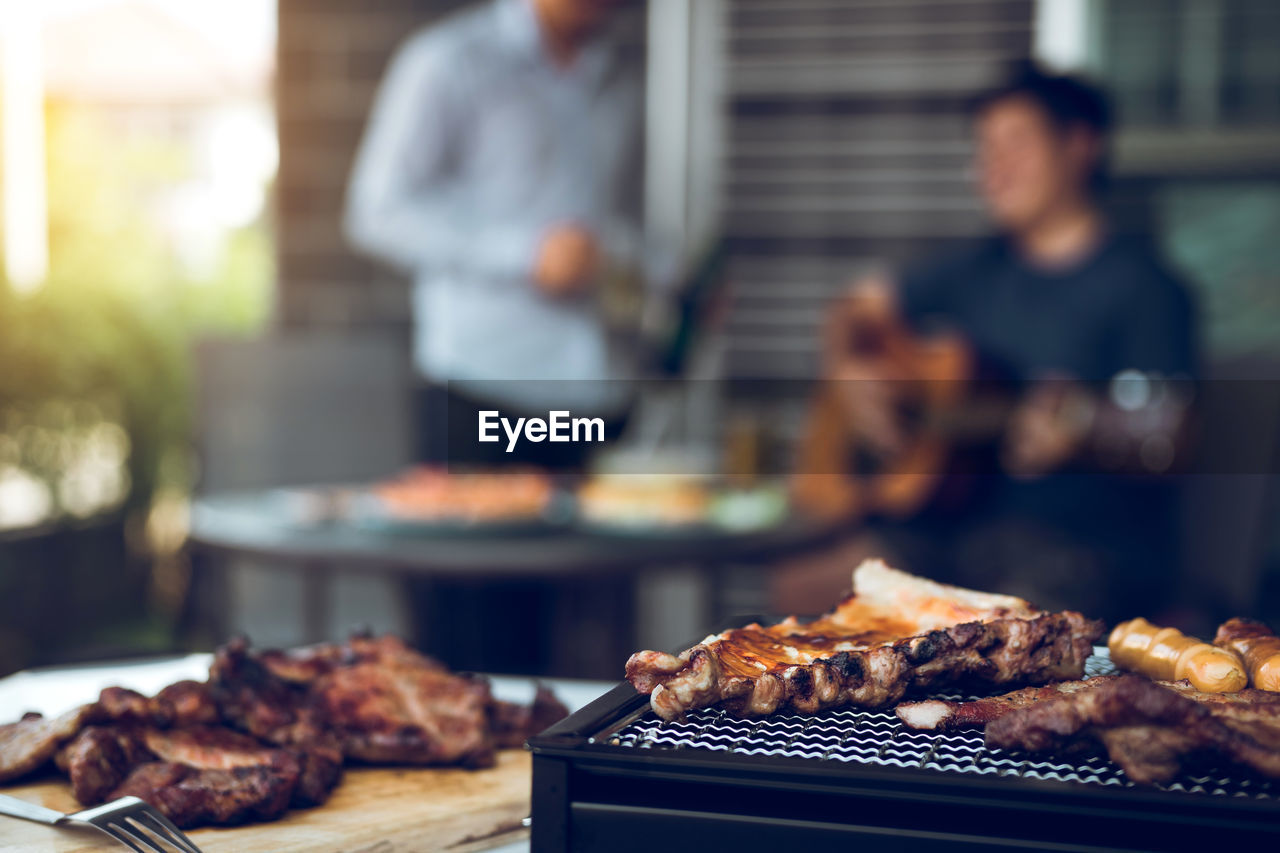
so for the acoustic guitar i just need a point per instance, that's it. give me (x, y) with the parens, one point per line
(952, 408)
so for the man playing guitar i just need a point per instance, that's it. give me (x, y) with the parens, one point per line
(1056, 351)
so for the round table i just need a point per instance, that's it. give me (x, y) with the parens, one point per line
(270, 525)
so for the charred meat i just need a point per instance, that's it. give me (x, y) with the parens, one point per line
(385, 714)
(374, 700)
(28, 744)
(105, 762)
(1151, 729)
(272, 729)
(191, 796)
(942, 715)
(512, 723)
(896, 633)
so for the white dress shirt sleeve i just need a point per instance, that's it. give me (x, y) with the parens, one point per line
(405, 203)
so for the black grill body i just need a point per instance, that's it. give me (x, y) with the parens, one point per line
(614, 777)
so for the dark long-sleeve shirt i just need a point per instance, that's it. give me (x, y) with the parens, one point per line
(1117, 309)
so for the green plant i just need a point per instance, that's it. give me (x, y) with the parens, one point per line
(106, 338)
(95, 393)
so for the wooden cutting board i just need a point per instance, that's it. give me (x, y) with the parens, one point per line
(372, 811)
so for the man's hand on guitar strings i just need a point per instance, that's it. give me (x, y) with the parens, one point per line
(866, 385)
(1048, 429)
(869, 397)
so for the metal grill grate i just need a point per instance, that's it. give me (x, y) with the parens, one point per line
(877, 737)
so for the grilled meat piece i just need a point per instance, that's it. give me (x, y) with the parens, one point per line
(104, 762)
(305, 665)
(312, 770)
(1151, 729)
(321, 771)
(253, 698)
(99, 758)
(122, 705)
(190, 796)
(216, 748)
(28, 744)
(184, 703)
(389, 714)
(941, 715)
(294, 715)
(99, 745)
(896, 632)
(512, 723)
(377, 699)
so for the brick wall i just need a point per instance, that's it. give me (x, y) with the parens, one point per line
(330, 58)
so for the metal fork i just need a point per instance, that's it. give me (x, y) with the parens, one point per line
(128, 820)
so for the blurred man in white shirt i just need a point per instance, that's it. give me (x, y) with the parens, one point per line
(502, 168)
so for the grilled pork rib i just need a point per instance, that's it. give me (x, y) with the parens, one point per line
(1151, 729)
(896, 632)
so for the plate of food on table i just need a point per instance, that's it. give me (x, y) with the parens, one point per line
(438, 500)
(667, 505)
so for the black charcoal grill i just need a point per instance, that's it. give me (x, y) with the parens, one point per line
(615, 777)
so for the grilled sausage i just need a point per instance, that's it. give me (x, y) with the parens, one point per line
(1257, 646)
(1169, 655)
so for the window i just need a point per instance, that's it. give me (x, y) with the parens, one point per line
(1193, 63)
